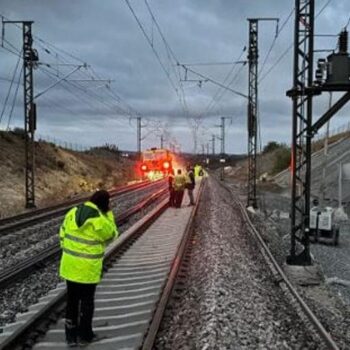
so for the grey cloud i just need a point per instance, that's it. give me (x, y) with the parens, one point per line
(105, 35)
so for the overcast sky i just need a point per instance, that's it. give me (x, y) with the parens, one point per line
(105, 35)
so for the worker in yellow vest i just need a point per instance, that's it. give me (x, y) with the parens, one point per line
(84, 234)
(179, 184)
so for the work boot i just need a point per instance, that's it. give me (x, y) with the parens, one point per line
(95, 338)
(71, 333)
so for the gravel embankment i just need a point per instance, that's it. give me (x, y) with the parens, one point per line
(18, 297)
(228, 299)
(330, 303)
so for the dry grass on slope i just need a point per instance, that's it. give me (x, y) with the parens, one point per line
(60, 173)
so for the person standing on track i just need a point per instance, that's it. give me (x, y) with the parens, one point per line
(171, 188)
(179, 187)
(190, 184)
(84, 234)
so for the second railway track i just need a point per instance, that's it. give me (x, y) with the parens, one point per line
(20, 221)
(25, 242)
(13, 273)
(132, 294)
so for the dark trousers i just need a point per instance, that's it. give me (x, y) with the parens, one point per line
(190, 195)
(171, 197)
(79, 311)
(178, 198)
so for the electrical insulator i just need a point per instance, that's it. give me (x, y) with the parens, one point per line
(343, 42)
(321, 63)
(319, 75)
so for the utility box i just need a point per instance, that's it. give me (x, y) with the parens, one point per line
(324, 218)
(338, 69)
(322, 226)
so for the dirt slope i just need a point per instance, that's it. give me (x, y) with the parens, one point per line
(60, 173)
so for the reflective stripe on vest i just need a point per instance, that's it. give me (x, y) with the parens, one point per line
(81, 240)
(83, 255)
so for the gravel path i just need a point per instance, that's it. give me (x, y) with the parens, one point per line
(18, 297)
(228, 299)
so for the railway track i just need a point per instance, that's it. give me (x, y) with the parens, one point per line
(13, 223)
(12, 274)
(281, 277)
(141, 270)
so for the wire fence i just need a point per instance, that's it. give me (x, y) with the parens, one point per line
(344, 128)
(73, 146)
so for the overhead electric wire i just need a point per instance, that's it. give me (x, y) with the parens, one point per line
(280, 58)
(12, 51)
(151, 45)
(126, 109)
(9, 90)
(217, 96)
(206, 78)
(170, 53)
(14, 98)
(50, 49)
(323, 8)
(89, 95)
(75, 84)
(275, 40)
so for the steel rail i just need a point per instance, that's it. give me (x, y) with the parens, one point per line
(13, 273)
(25, 219)
(166, 293)
(311, 316)
(23, 333)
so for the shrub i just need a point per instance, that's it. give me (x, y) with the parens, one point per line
(61, 164)
(282, 159)
(271, 146)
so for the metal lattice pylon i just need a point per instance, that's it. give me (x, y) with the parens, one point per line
(302, 130)
(29, 57)
(252, 110)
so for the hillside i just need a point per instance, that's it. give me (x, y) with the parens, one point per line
(271, 164)
(267, 163)
(60, 173)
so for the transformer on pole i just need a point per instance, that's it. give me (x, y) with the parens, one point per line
(337, 72)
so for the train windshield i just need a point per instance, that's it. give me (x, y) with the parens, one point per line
(154, 155)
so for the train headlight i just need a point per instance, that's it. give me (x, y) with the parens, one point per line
(166, 165)
(143, 167)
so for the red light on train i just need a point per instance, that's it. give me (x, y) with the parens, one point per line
(143, 167)
(166, 165)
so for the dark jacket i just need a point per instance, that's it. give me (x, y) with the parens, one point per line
(192, 183)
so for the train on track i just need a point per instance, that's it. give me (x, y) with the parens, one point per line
(156, 162)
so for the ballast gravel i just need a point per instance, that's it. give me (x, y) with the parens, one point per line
(329, 301)
(228, 298)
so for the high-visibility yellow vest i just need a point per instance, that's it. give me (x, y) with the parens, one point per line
(179, 182)
(84, 235)
(197, 169)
